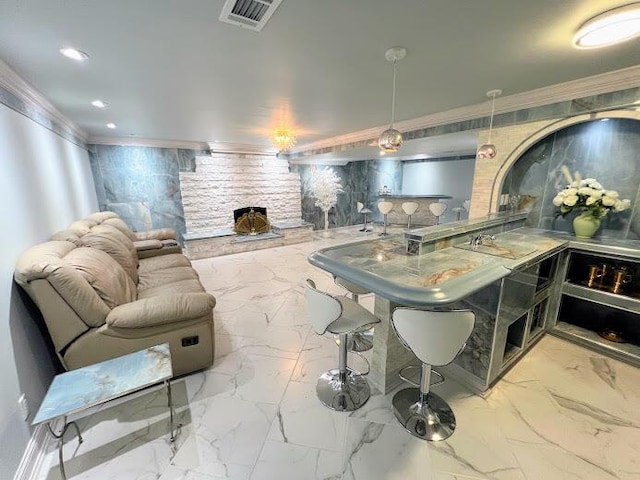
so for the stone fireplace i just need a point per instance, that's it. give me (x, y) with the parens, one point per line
(224, 182)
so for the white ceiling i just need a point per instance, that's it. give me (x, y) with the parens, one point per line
(170, 70)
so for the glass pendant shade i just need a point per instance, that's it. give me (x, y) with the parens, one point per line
(487, 151)
(390, 140)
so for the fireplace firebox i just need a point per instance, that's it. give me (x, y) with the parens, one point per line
(251, 221)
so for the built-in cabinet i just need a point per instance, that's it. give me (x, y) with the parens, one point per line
(522, 313)
(511, 315)
(599, 302)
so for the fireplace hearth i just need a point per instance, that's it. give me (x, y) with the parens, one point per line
(251, 221)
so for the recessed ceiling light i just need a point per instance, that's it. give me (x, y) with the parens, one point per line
(98, 104)
(111, 125)
(611, 27)
(73, 53)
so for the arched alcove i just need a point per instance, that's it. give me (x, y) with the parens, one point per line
(607, 149)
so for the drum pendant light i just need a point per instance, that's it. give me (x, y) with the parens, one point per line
(391, 139)
(488, 150)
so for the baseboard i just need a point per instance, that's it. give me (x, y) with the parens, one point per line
(34, 454)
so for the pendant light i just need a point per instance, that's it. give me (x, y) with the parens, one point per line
(391, 139)
(488, 150)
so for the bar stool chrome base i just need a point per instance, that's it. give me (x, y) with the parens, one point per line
(344, 394)
(360, 341)
(431, 420)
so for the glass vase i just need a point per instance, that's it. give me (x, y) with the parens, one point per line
(585, 225)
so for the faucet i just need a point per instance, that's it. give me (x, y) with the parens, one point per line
(480, 239)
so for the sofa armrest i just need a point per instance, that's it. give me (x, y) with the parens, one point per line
(157, 234)
(150, 312)
(150, 244)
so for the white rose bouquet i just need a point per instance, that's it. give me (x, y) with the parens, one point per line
(588, 195)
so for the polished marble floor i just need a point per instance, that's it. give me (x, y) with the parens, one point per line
(563, 412)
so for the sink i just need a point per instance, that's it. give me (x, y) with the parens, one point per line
(499, 249)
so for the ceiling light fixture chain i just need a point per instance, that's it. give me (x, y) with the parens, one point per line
(391, 139)
(488, 150)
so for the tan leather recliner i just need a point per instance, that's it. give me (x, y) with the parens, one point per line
(99, 301)
(160, 241)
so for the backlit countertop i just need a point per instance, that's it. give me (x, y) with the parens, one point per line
(436, 278)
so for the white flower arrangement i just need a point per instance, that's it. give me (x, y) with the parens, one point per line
(588, 195)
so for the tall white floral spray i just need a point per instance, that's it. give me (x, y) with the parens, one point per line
(325, 186)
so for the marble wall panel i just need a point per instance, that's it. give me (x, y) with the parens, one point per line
(355, 178)
(605, 150)
(142, 184)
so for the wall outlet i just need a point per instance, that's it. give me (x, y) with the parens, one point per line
(24, 406)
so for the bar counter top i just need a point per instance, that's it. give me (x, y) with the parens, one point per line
(439, 277)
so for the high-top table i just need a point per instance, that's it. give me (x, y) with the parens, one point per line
(79, 390)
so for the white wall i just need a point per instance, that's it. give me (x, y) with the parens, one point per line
(447, 177)
(45, 183)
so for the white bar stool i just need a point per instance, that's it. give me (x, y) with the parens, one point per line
(385, 208)
(436, 338)
(361, 340)
(458, 211)
(409, 208)
(365, 212)
(438, 210)
(340, 389)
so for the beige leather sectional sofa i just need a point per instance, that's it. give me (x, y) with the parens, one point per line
(100, 299)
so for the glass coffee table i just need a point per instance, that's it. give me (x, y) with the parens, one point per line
(78, 390)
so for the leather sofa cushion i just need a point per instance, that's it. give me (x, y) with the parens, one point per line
(122, 226)
(161, 310)
(68, 236)
(109, 280)
(106, 239)
(163, 261)
(165, 276)
(182, 286)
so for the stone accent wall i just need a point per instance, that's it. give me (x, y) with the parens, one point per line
(224, 182)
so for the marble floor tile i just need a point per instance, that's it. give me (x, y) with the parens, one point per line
(375, 451)
(255, 378)
(562, 412)
(285, 461)
(303, 420)
(225, 432)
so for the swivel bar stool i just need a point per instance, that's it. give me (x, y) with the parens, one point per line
(361, 340)
(385, 208)
(340, 389)
(438, 210)
(409, 208)
(436, 338)
(365, 212)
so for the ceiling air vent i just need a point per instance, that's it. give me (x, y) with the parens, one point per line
(251, 14)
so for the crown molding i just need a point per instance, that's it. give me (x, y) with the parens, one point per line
(12, 82)
(229, 147)
(146, 142)
(561, 92)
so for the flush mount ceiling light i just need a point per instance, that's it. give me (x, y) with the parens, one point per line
(283, 139)
(111, 125)
(613, 26)
(98, 104)
(391, 139)
(488, 150)
(74, 54)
